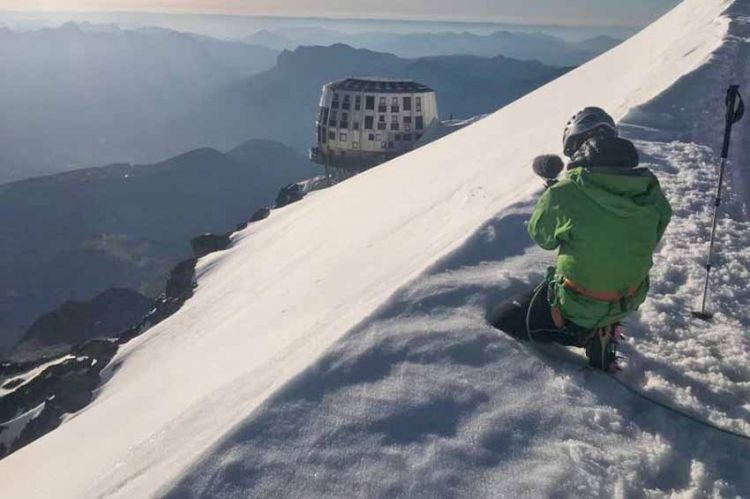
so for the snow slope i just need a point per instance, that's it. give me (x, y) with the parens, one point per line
(415, 395)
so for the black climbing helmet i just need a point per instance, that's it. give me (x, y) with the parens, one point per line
(590, 122)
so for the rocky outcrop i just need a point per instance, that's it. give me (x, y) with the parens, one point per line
(105, 316)
(62, 388)
(209, 243)
(289, 194)
(69, 385)
(179, 289)
(260, 214)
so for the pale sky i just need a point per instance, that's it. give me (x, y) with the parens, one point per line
(564, 12)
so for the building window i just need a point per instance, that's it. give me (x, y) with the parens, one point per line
(420, 123)
(382, 106)
(331, 135)
(358, 103)
(381, 126)
(370, 102)
(347, 102)
(334, 118)
(407, 119)
(394, 105)
(371, 137)
(343, 137)
(381, 118)
(344, 120)
(335, 103)
(418, 103)
(369, 122)
(355, 144)
(394, 126)
(324, 118)
(407, 103)
(394, 119)
(355, 125)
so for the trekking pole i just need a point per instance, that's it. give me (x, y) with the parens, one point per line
(735, 111)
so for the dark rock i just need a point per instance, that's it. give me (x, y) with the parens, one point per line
(13, 383)
(261, 214)
(179, 289)
(289, 194)
(9, 368)
(63, 388)
(77, 391)
(209, 243)
(100, 349)
(181, 279)
(49, 419)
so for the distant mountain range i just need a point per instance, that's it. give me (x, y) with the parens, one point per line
(519, 45)
(281, 103)
(73, 235)
(106, 94)
(68, 95)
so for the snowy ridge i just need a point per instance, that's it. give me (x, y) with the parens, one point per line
(420, 397)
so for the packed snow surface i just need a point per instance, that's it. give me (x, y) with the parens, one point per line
(340, 347)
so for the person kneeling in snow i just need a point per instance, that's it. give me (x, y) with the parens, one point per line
(605, 218)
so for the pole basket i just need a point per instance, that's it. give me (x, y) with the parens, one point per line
(704, 316)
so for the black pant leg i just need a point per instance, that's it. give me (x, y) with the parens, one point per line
(511, 315)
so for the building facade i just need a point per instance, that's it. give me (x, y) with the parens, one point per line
(363, 122)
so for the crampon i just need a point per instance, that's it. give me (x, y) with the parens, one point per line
(601, 349)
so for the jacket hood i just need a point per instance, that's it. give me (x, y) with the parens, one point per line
(613, 152)
(623, 192)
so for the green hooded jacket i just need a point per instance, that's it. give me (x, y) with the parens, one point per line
(606, 223)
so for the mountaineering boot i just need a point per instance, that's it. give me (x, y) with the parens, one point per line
(601, 349)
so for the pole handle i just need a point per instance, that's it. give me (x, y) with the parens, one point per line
(735, 112)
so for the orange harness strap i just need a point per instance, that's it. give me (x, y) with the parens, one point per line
(607, 296)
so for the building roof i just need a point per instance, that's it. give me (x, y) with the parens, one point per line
(379, 85)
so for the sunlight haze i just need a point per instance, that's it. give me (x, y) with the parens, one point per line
(563, 12)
